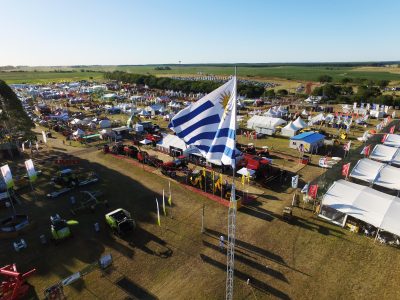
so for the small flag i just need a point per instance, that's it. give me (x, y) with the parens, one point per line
(384, 138)
(170, 195)
(366, 150)
(346, 169)
(391, 130)
(322, 162)
(163, 203)
(304, 190)
(347, 146)
(295, 181)
(158, 214)
(313, 190)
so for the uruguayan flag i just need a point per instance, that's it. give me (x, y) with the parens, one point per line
(209, 124)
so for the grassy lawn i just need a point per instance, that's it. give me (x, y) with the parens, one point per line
(307, 259)
(291, 73)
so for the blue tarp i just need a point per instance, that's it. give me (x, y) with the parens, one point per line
(308, 137)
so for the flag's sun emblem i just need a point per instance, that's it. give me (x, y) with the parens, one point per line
(224, 100)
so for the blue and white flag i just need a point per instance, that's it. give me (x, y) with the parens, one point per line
(304, 190)
(209, 124)
(295, 181)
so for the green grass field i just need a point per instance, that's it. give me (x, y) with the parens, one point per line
(302, 73)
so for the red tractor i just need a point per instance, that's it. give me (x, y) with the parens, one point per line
(171, 167)
(131, 151)
(256, 163)
(154, 138)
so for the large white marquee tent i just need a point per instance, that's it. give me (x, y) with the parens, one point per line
(265, 125)
(377, 173)
(387, 154)
(392, 140)
(366, 204)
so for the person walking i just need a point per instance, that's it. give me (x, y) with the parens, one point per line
(221, 243)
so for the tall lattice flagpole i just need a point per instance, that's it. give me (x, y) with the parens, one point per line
(230, 261)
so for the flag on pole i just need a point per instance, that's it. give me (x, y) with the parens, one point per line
(170, 195)
(391, 130)
(384, 138)
(209, 124)
(347, 146)
(44, 137)
(295, 181)
(7, 176)
(313, 190)
(30, 170)
(366, 150)
(163, 203)
(346, 169)
(304, 190)
(158, 214)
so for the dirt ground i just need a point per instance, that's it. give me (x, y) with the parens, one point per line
(308, 259)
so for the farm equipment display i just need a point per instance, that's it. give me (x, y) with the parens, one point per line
(120, 221)
(89, 202)
(67, 180)
(60, 228)
(171, 167)
(14, 285)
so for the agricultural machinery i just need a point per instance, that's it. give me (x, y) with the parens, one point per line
(120, 221)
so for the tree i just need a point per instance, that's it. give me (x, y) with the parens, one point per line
(282, 92)
(269, 93)
(346, 80)
(382, 83)
(324, 78)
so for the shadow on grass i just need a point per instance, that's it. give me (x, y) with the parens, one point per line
(255, 283)
(251, 263)
(134, 290)
(316, 227)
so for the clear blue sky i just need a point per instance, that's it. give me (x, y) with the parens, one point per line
(71, 32)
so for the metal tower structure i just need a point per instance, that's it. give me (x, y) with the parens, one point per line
(230, 261)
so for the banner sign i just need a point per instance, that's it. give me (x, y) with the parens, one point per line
(6, 172)
(31, 170)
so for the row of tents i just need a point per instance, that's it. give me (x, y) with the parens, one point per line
(377, 208)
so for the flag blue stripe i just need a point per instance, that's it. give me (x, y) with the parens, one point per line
(217, 149)
(210, 135)
(203, 122)
(189, 116)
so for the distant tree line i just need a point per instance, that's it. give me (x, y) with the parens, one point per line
(162, 68)
(186, 86)
(345, 94)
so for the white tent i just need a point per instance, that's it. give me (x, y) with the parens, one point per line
(373, 207)
(289, 130)
(79, 132)
(318, 118)
(246, 172)
(145, 142)
(171, 140)
(266, 125)
(377, 173)
(299, 123)
(392, 140)
(304, 113)
(387, 154)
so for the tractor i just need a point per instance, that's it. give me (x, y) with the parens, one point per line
(171, 167)
(60, 228)
(131, 151)
(66, 178)
(120, 221)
